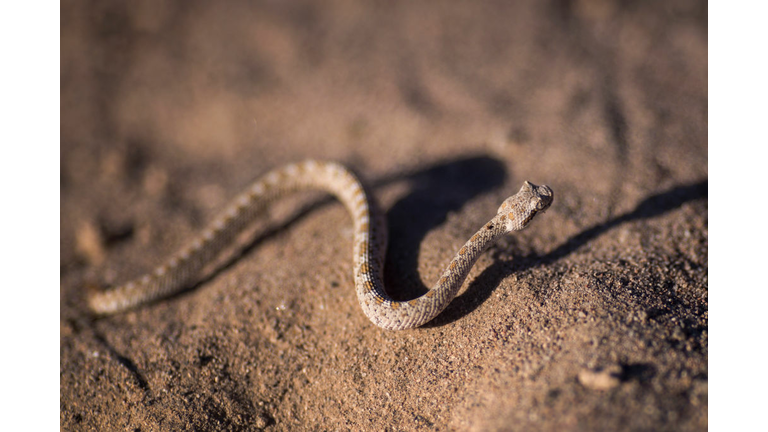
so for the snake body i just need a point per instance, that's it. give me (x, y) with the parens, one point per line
(370, 238)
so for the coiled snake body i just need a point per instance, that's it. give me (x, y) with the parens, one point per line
(370, 238)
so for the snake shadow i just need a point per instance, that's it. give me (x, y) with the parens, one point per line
(435, 192)
(483, 286)
(438, 190)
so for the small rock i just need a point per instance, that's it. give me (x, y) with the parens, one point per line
(601, 379)
(89, 243)
(262, 420)
(642, 316)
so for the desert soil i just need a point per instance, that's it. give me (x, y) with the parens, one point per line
(593, 318)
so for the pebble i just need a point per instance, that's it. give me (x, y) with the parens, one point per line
(601, 379)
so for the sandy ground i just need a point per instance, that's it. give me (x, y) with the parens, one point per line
(594, 318)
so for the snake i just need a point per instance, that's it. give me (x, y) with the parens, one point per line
(183, 269)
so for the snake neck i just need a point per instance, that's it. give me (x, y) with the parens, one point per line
(458, 269)
(387, 313)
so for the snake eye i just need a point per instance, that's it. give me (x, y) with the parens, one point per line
(536, 205)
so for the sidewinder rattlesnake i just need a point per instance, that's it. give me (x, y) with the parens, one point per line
(370, 238)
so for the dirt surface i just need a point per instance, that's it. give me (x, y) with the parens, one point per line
(594, 318)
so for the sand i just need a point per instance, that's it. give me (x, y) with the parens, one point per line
(594, 318)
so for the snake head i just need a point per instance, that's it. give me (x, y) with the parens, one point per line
(540, 196)
(519, 210)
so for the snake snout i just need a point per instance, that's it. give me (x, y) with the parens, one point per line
(545, 195)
